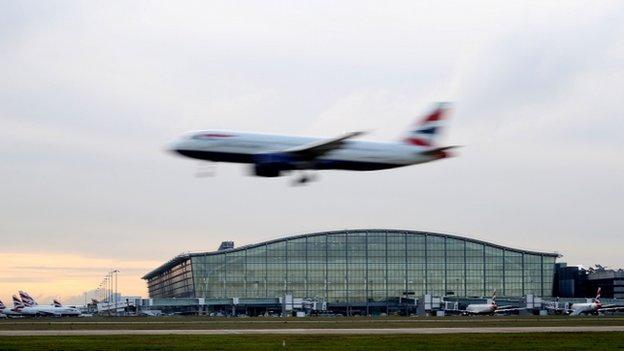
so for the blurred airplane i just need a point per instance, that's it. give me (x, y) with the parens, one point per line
(272, 155)
(487, 308)
(594, 307)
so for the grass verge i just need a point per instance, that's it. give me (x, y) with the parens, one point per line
(291, 323)
(464, 342)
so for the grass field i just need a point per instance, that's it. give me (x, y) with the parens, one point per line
(147, 323)
(546, 341)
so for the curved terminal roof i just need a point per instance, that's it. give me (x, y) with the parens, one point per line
(184, 256)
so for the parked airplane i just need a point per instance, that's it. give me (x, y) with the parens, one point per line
(272, 155)
(30, 301)
(43, 310)
(8, 312)
(27, 299)
(487, 308)
(594, 307)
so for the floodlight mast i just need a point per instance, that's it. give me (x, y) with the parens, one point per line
(115, 273)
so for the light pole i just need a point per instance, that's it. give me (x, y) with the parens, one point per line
(107, 293)
(107, 290)
(115, 272)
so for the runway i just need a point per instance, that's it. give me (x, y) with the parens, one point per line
(359, 331)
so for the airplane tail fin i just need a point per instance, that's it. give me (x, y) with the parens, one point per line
(27, 299)
(425, 132)
(597, 299)
(494, 297)
(2, 306)
(56, 303)
(17, 303)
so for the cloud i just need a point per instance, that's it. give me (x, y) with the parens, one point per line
(46, 275)
(93, 93)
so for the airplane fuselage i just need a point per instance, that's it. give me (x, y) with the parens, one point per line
(9, 312)
(265, 149)
(49, 310)
(582, 308)
(486, 308)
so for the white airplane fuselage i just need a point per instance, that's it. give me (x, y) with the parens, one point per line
(49, 310)
(485, 308)
(225, 146)
(581, 308)
(9, 312)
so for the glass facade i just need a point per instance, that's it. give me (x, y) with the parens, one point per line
(177, 281)
(358, 267)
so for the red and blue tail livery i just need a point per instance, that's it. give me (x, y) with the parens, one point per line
(27, 299)
(426, 131)
(17, 303)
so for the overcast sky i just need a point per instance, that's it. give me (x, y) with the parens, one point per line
(92, 92)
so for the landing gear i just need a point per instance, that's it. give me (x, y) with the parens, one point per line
(206, 169)
(304, 178)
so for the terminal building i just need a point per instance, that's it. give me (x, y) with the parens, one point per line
(355, 270)
(579, 282)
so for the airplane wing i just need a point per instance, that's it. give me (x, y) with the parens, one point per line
(611, 309)
(612, 305)
(557, 309)
(321, 147)
(509, 309)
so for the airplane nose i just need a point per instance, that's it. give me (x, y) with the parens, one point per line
(182, 148)
(175, 147)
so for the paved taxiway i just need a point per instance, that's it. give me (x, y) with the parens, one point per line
(360, 331)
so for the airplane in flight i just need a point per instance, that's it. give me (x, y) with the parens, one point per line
(594, 307)
(487, 308)
(31, 308)
(274, 155)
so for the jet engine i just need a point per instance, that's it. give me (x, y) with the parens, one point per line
(266, 170)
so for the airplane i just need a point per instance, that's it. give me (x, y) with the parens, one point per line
(487, 308)
(8, 312)
(273, 155)
(43, 310)
(594, 307)
(29, 301)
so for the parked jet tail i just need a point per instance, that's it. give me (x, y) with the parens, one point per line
(2, 306)
(424, 132)
(597, 299)
(17, 303)
(27, 299)
(57, 303)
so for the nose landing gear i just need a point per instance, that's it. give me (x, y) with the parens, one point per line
(206, 170)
